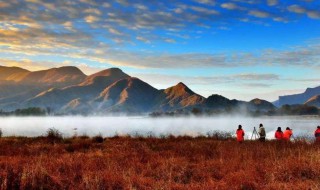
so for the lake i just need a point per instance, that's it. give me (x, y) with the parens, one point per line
(109, 126)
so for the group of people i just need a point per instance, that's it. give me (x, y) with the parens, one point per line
(279, 135)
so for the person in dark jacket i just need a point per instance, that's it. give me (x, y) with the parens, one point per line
(262, 133)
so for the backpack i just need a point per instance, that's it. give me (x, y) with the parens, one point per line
(262, 132)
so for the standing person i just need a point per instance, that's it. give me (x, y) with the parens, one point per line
(317, 134)
(240, 134)
(262, 133)
(279, 134)
(287, 134)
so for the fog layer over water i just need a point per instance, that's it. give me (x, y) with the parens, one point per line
(193, 126)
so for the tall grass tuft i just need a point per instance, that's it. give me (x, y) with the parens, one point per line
(54, 135)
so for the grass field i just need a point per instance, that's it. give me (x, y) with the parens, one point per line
(156, 163)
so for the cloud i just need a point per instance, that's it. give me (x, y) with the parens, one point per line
(204, 10)
(297, 9)
(91, 19)
(75, 46)
(142, 39)
(170, 40)
(232, 6)
(115, 31)
(259, 14)
(92, 11)
(257, 85)
(163, 79)
(314, 14)
(257, 76)
(207, 2)
(272, 2)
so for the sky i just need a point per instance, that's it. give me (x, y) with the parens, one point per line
(241, 49)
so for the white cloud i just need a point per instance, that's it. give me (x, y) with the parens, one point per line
(314, 14)
(92, 11)
(259, 14)
(232, 6)
(143, 39)
(272, 2)
(207, 2)
(91, 19)
(204, 10)
(296, 9)
(115, 31)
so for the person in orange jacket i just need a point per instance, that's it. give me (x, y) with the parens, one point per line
(240, 134)
(287, 134)
(279, 134)
(317, 134)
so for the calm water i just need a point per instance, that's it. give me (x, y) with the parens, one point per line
(109, 126)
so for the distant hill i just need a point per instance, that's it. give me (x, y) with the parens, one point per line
(66, 75)
(178, 97)
(12, 73)
(299, 98)
(260, 105)
(18, 85)
(127, 95)
(75, 96)
(66, 90)
(62, 75)
(219, 102)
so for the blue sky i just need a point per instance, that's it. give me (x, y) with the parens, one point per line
(240, 49)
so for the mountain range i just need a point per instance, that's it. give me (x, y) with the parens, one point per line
(309, 97)
(67, 90)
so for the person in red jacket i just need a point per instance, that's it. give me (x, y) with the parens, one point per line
(317, 134)
(279, 134)
(287, 134)
(240, 134)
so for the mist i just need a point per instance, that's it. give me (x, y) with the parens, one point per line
(123, 125)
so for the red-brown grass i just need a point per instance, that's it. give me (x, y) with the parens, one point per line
(157, 163)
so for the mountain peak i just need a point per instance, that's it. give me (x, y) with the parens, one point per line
(179, 89)
(217, 97)
(109, 72)
(108, 75)
(259, 104)
(71, 70)
(181, 84)
(257, 101)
